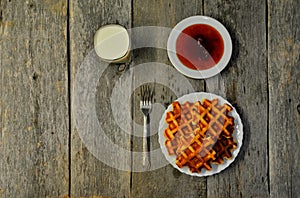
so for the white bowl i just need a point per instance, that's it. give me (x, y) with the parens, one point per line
(199, 74)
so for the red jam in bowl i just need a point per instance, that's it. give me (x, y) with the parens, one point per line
(199, 47)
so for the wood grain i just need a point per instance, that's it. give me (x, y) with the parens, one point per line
(91, 177)
(166, 181)
(42, 46)
(34, 99)
(245, 80)
(284, 92)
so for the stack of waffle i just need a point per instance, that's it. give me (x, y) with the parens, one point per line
(200, 134)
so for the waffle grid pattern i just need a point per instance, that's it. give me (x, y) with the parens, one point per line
(200, 134)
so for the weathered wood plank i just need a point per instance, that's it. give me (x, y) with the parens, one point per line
(245, 80)
(166, 181)
(34, 120)
(91, 177)
(284, 92)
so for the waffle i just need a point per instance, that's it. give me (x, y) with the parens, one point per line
(200, 134)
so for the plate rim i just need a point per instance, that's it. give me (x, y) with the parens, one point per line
(199, 74)
(238, 131)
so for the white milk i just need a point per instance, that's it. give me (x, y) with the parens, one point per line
(112, 43)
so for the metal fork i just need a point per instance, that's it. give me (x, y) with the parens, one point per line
(146, 106)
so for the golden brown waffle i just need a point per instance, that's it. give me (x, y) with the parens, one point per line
(200, 134)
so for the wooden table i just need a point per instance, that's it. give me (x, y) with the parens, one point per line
(43, 43)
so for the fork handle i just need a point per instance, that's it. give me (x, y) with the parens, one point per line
(146, 160)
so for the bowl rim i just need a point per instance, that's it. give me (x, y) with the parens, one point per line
(199, 74)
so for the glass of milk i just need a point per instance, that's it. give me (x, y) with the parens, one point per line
(112, 43)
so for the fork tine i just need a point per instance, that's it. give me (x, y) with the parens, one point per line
(143, 92)
(147, 93)
(152, 92)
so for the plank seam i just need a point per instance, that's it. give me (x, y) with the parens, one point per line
(1, 95)
(131, 145)
(205, 89)
(69, 96)
(204, 81)
(268, 93)
(2, 78)
(132, 110)
(202, 7)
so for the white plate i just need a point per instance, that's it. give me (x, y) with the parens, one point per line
(237, 134)
(199, 74)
